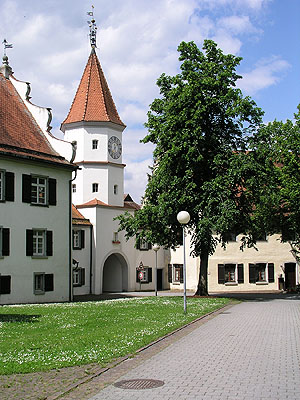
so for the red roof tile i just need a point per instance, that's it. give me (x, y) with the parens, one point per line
(93, 100)
(20, 135)
(78, 218)
(95, 202)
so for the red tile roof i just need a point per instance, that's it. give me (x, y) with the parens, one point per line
(95, 202)
(20, 135)
(93, 100)
(78, 218)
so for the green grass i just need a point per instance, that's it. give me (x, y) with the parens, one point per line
(43, 337)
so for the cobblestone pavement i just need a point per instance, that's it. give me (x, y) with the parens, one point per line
(248, 352)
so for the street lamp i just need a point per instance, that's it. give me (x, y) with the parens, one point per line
(155, 248)
(183, 217)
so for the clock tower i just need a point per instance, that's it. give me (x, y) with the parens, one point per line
(94, 126)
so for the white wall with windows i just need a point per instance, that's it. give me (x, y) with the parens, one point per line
(81, 258)
(269, 268)
(34, 232)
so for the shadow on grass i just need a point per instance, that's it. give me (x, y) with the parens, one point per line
(19, 318)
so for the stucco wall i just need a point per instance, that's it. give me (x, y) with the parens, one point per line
(19, 216)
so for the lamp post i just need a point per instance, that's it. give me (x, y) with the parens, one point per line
(155, 248)
(183, 217)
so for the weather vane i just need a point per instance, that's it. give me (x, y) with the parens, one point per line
(6, 46)
(93, 28)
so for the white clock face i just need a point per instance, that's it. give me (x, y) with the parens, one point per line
(114, 147)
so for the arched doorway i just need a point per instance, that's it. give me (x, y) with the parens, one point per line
(115, 274)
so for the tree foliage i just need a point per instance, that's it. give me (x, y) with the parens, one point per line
(278, 144)
(200, 126)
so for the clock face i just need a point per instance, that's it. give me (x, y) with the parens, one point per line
(114, 147)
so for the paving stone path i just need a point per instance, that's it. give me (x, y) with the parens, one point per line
(250, 351)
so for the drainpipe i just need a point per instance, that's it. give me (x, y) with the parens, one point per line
(91, 257)
(70, 239)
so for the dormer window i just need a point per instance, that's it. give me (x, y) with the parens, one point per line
(95, 144)
(95, 187)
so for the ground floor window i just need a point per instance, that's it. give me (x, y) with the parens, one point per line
(144, 275)
(5, 284)
(175, 273)
(231, 273)
(261, 273)
(78, 276)
(42, 282)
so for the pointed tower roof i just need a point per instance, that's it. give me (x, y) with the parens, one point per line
(93, 101)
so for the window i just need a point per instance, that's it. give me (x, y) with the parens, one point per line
(116, 237)
(74, 188)
(95, 187)
(4, 241)
(175, 273)
(42, 283)
(7, 186)
(230, 236)
(38, 190)
(78, 239)
(230, 273)
(78, 276)
(143, 245)
(146, 275)
(95, 144)
(115, 189)
(39, 243)
(5, 284)
(261, 273)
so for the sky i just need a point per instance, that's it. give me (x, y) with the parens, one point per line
(137, 41)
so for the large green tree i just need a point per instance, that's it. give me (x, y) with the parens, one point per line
(277, 144)
(200, 126)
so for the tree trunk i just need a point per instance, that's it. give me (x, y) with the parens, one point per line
(202, 282)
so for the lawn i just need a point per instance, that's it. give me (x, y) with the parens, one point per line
(41, 337)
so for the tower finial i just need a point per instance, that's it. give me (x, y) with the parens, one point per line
(93, 28)
(5, 68)
(6, 46)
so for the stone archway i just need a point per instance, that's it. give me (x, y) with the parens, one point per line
(115, 274)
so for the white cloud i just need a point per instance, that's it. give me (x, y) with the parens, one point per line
(136, 178)
(267, 72)
(137, 41)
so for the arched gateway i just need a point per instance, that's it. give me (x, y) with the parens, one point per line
(115, 274)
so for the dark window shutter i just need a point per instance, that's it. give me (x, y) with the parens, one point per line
(82, 239)
(82, 276)
(137, 276)
(49, 243)
(52, 191)
(9, 186)
(5, 242)
(240, 273)
(138, 244)
(252, 273)
(149, 246)
(170, 275)
(271, 272)
(181, 273)
(221, 274)
(29, 242)
(26, 188)
(49, 286)
(5, 283)
(149, 275)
